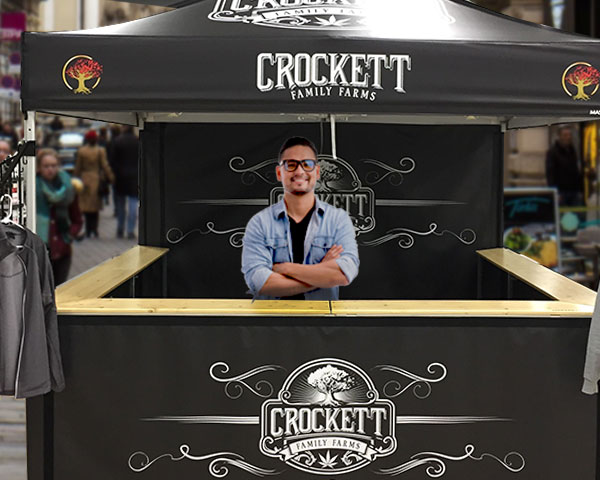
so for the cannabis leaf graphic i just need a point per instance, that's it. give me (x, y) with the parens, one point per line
(327, 461)
(333, 22)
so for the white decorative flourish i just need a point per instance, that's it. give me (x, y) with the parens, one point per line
(406, 236)
(351, 458)
(395, 176)
(306, 458)
(250, 174)
(234, 386)
(436, 462)
(236, 235)
(421, 385)
(140, 461)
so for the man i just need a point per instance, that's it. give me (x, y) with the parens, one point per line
(124, 156)
(299, 248)
(563, 169)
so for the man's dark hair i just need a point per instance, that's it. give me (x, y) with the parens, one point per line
(293, 141)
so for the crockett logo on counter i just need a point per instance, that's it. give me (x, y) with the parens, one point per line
(328, 420)
(325, 14)
(347, 75)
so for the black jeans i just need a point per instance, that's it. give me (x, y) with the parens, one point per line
(60, 269)
(91, 223)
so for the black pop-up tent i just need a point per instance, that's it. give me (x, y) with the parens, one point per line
(438, 58)
(421, 91)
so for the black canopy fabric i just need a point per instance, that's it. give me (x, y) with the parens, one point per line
(436, 59)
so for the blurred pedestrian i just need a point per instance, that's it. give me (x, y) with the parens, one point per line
(58, 218)
(115, 131)
(8, 133)
(125, 160)
(564, 170)
(93, 169)
(56, 125)
(5, 150)
(103, 142)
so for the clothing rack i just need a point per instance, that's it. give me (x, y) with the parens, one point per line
(12, 174)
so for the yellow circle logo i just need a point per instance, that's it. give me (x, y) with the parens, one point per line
(81, 69)
(581, 81)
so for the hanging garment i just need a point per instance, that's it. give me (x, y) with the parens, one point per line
(30, 361)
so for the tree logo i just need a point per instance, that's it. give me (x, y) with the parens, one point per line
(581, 81)
(81, 69)
(328, 419)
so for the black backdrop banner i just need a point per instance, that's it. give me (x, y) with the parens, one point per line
(422, 201)
(370, 399)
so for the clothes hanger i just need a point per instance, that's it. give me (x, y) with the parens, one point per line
(7, 220)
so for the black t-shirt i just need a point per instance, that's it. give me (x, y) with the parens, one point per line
(298, 233)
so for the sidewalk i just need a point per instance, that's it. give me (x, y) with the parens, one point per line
(86, 254)
(91, 251)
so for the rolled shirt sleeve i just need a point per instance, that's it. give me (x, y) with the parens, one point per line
(257, 262)
(346, 237)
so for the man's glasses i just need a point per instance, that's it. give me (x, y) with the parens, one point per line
(308, 165)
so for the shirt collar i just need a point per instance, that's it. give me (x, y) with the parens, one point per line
(279, 208)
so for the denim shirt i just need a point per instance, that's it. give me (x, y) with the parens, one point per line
(268, 240)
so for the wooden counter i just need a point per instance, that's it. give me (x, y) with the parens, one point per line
(548, 282)
(83, 295)
(107, 276)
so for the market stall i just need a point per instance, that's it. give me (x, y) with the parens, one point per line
(407, 102)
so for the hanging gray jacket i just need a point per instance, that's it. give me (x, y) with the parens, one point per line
(30, 361)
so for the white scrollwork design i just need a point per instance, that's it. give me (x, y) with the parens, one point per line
(140, 461)
(395, 176)
(406, 237)
(234, 386)
(236, 235)
(250, 174)
(267, 444)
(351, 458)
(466, 236)
(421, 386)
(306, 458)
(512, 461)
(218, 468)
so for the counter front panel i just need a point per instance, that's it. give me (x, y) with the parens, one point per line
(153, 397)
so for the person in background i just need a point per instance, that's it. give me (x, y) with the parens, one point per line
(8, 133)
(56, 125)
(563, 169)
(103, 142)
(58, 218)
(125, 161)
(115, 131)
(91, 165)
(5, 150)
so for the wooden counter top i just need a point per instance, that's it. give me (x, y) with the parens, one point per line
(459, 308)
(83, 296)
(550, 283)
(196, 306)
(107, 276)
(356, 308)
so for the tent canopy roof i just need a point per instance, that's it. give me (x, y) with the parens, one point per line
(447, 60)
(434, 20)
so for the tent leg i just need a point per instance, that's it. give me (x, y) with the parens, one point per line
(333, 137)
(29, 134)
